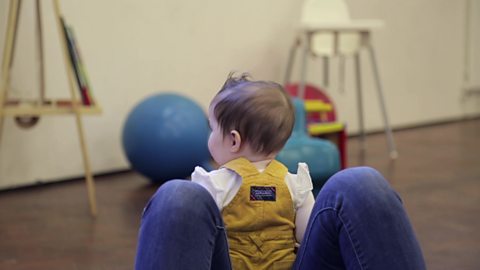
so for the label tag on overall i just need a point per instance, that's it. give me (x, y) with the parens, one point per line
(259, 193)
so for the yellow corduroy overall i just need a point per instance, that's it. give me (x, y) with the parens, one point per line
(260, 219)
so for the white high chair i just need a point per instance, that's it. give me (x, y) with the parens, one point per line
(327, 31)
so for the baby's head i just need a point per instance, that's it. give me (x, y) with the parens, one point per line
(251, 119)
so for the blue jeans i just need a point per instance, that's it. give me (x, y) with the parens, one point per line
(358, 222)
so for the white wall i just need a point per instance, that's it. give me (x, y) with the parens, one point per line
(133, 48)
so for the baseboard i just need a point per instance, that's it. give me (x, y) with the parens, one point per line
(40, 183)
(427, 124)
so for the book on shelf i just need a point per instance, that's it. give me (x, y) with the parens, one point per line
(77, 64)
(81, 67)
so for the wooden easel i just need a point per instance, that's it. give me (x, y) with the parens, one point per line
(43, 106)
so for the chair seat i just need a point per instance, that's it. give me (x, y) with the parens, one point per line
(317, 106)
(348, 26)
(325, 128)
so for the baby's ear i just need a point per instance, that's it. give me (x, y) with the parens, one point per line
(236, 140)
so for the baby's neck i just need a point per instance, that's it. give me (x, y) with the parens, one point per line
(256, 158)
(260, 161)
(262, 164)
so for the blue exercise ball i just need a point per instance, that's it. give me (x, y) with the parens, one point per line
(165, 136)
(321, 156)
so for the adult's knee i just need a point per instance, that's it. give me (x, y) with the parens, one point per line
(181, 199)
(358, 179)
(180, 218)
(179, 192)
(360, 185)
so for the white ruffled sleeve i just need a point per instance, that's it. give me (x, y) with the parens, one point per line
(301, 188)
(213, 182)
(301, 184)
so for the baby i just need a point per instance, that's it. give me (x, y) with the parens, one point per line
(264, 207)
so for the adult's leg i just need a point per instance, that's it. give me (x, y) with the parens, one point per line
(358, 222)
(182, 228)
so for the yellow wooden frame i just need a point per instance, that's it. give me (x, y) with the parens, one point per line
(52, 107)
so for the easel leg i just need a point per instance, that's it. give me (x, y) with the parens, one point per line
(8, 57)
(86, 163)
(71, 82)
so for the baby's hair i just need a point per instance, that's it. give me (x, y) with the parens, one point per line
(261, 111)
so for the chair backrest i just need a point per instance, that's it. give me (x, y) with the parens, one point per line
(316, 12)
(321, 11)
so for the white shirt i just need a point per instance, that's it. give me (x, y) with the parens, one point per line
(223, 184)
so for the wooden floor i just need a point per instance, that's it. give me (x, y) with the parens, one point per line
(437, 174)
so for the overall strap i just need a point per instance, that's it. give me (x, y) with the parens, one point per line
(242, 167)
(276, 169)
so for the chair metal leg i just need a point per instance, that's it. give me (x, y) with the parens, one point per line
(303, 72)
(326, 71)
(358, 79)
(341, 74)
(388, 130)
(290, 62)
